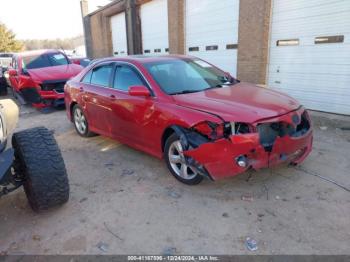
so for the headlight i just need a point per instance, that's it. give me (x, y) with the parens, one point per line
(219, 130)
(210, 129)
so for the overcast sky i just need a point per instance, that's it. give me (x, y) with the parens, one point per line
(41, 19)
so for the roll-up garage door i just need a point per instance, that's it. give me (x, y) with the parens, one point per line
(119, 40)
(154, 26)
(310, 52)
(211, 32)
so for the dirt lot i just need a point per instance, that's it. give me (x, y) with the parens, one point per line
(125, 202)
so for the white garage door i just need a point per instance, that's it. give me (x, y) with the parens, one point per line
(119, 40)
(154, 26)
(212, 32)
(310, 52)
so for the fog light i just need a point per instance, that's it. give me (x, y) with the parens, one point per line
(242, 161)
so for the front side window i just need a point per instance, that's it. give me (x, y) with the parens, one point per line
(125, 77)
(44, 60)
(101, 75)
(187, 75)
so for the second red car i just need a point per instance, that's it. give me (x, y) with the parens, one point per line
(39, 76)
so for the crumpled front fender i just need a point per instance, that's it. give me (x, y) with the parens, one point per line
(219, 157)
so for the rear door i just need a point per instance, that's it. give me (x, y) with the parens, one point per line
(97, 98)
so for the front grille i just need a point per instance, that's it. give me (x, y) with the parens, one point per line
(57, 86)
(268, 132)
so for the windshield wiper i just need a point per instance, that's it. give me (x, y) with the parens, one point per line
(185, 92)
(217, 86)
(228, 83)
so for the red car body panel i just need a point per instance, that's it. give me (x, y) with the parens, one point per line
(142, 122)
(250, 103)
(54, 72)
(221, 164)
(36, 77)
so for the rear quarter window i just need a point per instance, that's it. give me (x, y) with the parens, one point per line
(87, 78)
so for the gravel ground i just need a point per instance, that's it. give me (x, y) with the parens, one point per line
(125, 202)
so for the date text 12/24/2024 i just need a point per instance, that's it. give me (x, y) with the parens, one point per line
(173, 258)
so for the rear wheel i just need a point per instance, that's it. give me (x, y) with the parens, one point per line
(175, 159)
(39, 163)
(80, 122)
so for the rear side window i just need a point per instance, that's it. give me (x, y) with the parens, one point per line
(125, 77)
(101, 75)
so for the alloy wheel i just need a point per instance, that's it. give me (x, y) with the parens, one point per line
(80, 121)
(178, 162)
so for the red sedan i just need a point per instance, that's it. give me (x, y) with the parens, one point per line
(202, 121)
(39, 76)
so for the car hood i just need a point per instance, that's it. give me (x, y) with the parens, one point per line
(242, 102)
(62, 72)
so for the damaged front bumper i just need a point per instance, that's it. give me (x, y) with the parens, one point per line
(47, 93)
(220, 157)
(40, 98)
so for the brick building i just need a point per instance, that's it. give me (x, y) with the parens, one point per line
(301, 47)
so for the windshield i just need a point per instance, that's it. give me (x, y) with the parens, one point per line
(187, 76)
(44, 60)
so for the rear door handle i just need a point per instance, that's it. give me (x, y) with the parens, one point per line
(81, 89)
(112, 97)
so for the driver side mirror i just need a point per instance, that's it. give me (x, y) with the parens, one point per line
(139, 91)
(12, 72)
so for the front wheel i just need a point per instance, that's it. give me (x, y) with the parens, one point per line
(39, 163)
(175, 160)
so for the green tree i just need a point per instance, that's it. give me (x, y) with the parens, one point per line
(8, 42)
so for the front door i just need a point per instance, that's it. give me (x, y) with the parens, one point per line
(131, 114)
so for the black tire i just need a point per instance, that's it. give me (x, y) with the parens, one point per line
(38, 161)
(86, 132)
(193, 181)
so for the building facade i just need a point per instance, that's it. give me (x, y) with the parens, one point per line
(300, 47)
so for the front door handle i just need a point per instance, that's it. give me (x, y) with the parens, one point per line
(112, 97)
(81, 89)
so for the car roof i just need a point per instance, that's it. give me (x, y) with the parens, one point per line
(145, 58)
(37, 52)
